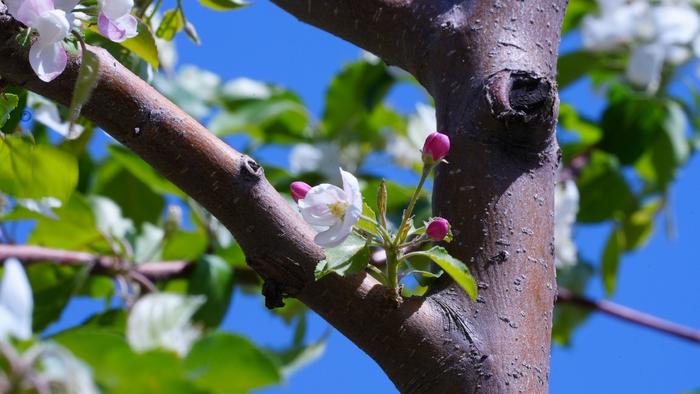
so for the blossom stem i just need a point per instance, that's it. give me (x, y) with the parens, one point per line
(378, 272)
(415, 242)
(392, 269)
(412, 203)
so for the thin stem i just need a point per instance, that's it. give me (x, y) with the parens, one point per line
(630, 315)
(413, 243)
(411, 204)
(392, 270)
(378, 272)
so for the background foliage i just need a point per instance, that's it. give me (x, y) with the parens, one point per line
(80, 195)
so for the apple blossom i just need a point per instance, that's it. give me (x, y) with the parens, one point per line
(16, 302)
(299, 190)
(115, 20)
(47, 56)
(566, 205)
(436, 147)
(437, 229)
(334, 209)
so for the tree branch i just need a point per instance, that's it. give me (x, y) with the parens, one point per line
(277, 243)
(629, 315)
(387, 28)
(164, 270)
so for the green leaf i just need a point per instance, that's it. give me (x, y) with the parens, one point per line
(225, 363)
(76, 228)
(352, 96)
(185, 245)
(223, 5)
(8, 102)
(136, 198)
(638, 226)
(453, 267)
(573, 66)
(340, 258)
(273, 120)
(604, 191)
(53, 287)
(568, 317)
(669, 150)
(575, 11)
(213, 278)
(611, 259)
(144, 45)
(34, 171)
(117, 369)
(631, 124)
(143, 171)
(173, 22)
(15, 116)
(365, 224)
(84, 85)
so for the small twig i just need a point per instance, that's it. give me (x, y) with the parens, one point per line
(630, 315)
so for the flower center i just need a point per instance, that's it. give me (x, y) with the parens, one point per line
(338, 208)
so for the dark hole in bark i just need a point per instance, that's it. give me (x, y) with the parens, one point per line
(528, 94)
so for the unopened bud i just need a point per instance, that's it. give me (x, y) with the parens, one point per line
(298, 190)
(438, 229)
(436, 147)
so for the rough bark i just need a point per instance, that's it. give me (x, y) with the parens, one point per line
(490, 67)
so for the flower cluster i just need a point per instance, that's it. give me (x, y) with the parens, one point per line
(53, 19)
(347, 227)
(658, 33)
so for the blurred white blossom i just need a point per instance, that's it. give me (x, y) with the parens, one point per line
(16, 302)
(192, 89)
(60, 368)
(566, 204)
(46, 113)
(324, 158)
(163, 320)
(43, 206)
(406, 151)
(656, 33)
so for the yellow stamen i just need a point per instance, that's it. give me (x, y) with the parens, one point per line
(338, 209)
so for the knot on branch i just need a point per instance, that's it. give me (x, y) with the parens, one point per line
(251, 169)
(525, 103)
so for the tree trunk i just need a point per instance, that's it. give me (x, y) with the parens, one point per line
(491, 68)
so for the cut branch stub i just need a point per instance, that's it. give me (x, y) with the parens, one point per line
(526, 103)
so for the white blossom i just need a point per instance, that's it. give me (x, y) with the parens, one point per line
(163, 320)
(16, 302)
(566, 204)
(60, 368)
(656, 33)
(332, 209)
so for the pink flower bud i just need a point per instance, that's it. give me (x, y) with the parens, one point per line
(299, 190)
(436, 146)
(438, 229)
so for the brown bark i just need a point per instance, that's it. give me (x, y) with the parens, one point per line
(490, 67)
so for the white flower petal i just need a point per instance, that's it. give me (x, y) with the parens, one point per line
(60, 367)
(16, 302)
(48, 61)
(304, 158)
(44, 206)
(315, 207)
(162, 320)
(52, 26)
(334, 236)
(566, 205)
(674, 24)
(65, 5)
(645, 65)
(351, 187)
(115, 9)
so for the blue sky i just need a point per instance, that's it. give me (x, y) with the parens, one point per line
(607, 355)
